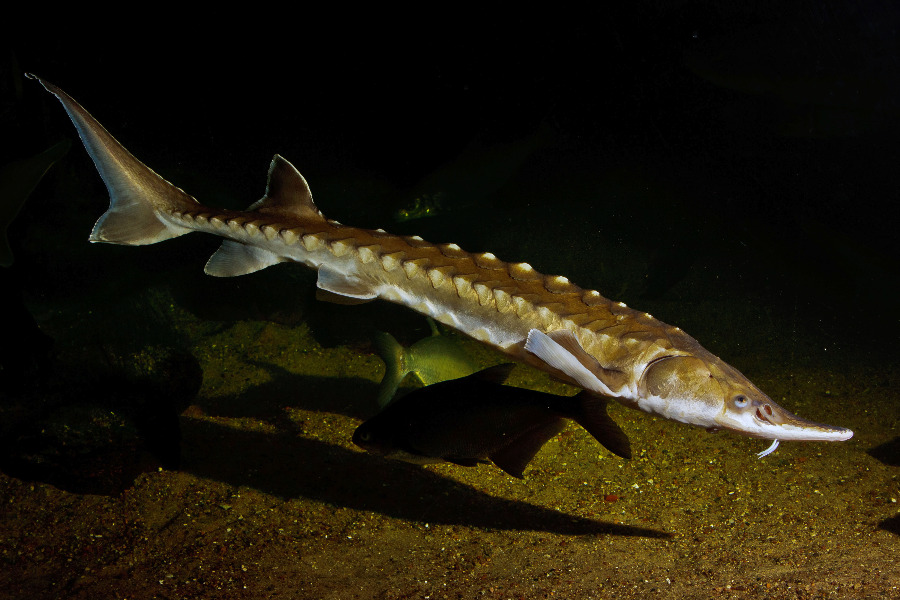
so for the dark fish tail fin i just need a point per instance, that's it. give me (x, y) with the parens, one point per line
(17, 180)
(515, 456)
(593, 417)
(392, 353)
(138, 197)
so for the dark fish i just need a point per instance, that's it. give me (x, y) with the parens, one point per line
(17, 180)
(474, 419)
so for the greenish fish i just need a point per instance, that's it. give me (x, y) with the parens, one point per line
(432, 359)
(424, 205)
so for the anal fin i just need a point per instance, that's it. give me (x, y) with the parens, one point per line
(234, 258)
(349, 289)
(515, 456)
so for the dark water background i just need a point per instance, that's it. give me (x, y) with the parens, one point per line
(759, 142)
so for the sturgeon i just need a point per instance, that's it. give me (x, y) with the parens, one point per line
(576, 335)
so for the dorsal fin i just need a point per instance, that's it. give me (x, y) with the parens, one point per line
(287, 193)
(497, 374)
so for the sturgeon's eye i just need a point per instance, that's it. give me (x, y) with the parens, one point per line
(741, 401)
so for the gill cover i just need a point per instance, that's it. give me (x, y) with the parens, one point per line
(682, 387)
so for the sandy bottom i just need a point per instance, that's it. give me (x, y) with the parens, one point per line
(272, 500)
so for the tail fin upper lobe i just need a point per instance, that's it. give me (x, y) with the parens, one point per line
(138, 197)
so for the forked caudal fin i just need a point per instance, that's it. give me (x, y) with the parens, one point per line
(136, 192)
(143, 205)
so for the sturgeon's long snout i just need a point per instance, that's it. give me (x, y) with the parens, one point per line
(762, 417)
(707, 392)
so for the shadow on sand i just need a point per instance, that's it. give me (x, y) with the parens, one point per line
(288, 466)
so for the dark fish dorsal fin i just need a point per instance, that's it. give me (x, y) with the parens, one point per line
(287, 193)
(497, 374)
(17, 180)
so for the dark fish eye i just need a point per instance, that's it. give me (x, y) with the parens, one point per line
(741, 401)
(365, 436)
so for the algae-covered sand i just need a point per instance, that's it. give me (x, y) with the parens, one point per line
(271, 499)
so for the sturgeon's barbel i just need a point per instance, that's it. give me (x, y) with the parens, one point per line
(546, 321)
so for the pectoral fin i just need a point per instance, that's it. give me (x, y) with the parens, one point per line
(560, 349)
